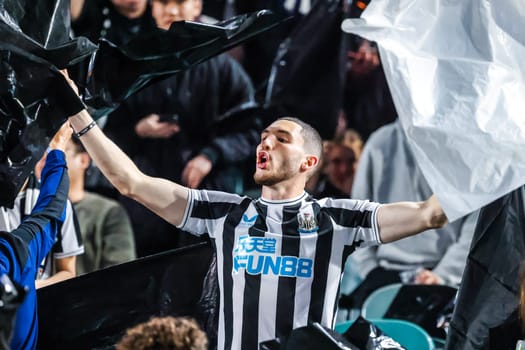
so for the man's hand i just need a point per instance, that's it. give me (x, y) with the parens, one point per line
(364, 60)
(196, 170)
(62, 137)
(427, 277)
(69, 81)
(59, 141)
(65, 269)
(437, 217)
(151, 127)
(403, 219)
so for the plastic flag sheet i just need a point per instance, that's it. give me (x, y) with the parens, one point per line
(35, 99)
(94, 310)
(455, 70)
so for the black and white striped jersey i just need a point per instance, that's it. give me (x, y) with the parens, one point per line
(279, 262)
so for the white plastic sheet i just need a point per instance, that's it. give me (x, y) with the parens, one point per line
(457, 77)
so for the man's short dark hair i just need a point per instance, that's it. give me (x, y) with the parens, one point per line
(313, 142)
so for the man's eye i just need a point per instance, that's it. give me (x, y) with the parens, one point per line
(281, 139)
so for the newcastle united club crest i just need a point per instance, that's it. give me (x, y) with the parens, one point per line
(307, 223)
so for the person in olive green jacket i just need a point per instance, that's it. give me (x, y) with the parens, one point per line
(104, 224)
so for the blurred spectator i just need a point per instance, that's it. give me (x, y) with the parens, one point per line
(387, 172)
(256, 55)
(367, 103)
(187, 129)
(338, 172)
(164, 333)
(116, 20)
(166, 12)
(308, 71)
(59, 264)
(352, 139)
(104, 224)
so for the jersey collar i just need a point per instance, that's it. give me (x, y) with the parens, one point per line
(284, 201)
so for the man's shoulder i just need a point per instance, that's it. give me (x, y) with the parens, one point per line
(219, 200)
(346, 203)
(384, 134)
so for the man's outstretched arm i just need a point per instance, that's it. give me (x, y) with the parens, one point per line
(165, 198)
(403, 219)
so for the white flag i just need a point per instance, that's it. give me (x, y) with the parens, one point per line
(456, 70)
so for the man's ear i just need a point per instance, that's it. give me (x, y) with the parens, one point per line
(310, 163)
(197, 8)
(86, 160)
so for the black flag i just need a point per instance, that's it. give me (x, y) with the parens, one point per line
(485, 316)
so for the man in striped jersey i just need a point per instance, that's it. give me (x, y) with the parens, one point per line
(279, 257)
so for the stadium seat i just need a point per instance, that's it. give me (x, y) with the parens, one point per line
(377, 303)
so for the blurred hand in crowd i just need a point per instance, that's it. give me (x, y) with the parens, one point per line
(152, 127)
(365, 60)
(196, 170)
(427, 277)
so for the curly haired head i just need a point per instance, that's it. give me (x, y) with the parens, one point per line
(163, 333)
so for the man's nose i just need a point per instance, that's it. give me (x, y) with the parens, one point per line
(268, 142)
(173, 10)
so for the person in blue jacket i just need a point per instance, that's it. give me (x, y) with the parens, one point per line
(22, 249)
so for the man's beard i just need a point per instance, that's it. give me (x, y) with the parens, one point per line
(269, 180)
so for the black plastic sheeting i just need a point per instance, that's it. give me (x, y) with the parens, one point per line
(41, 28)
(311, 337)
(367, 336)
(93, 311)
(12, 296)
(486, 313)
(35, 99)
(117, 72)
(33, 44)
(425, 305)
(307, 76)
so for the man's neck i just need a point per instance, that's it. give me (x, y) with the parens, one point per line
(282, 192)
(76, 191)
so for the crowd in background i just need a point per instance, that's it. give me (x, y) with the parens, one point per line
(179, 129)
(188, 128)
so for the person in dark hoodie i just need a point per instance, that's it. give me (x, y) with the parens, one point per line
(115, 20)
(185, 128)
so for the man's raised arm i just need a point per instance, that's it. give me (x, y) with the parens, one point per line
(403, 219)
(165, 198)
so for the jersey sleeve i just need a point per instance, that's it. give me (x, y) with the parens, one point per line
(69, 240)
(207, 210)
(355, 220)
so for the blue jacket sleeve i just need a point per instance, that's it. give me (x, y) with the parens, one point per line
(36, 234)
